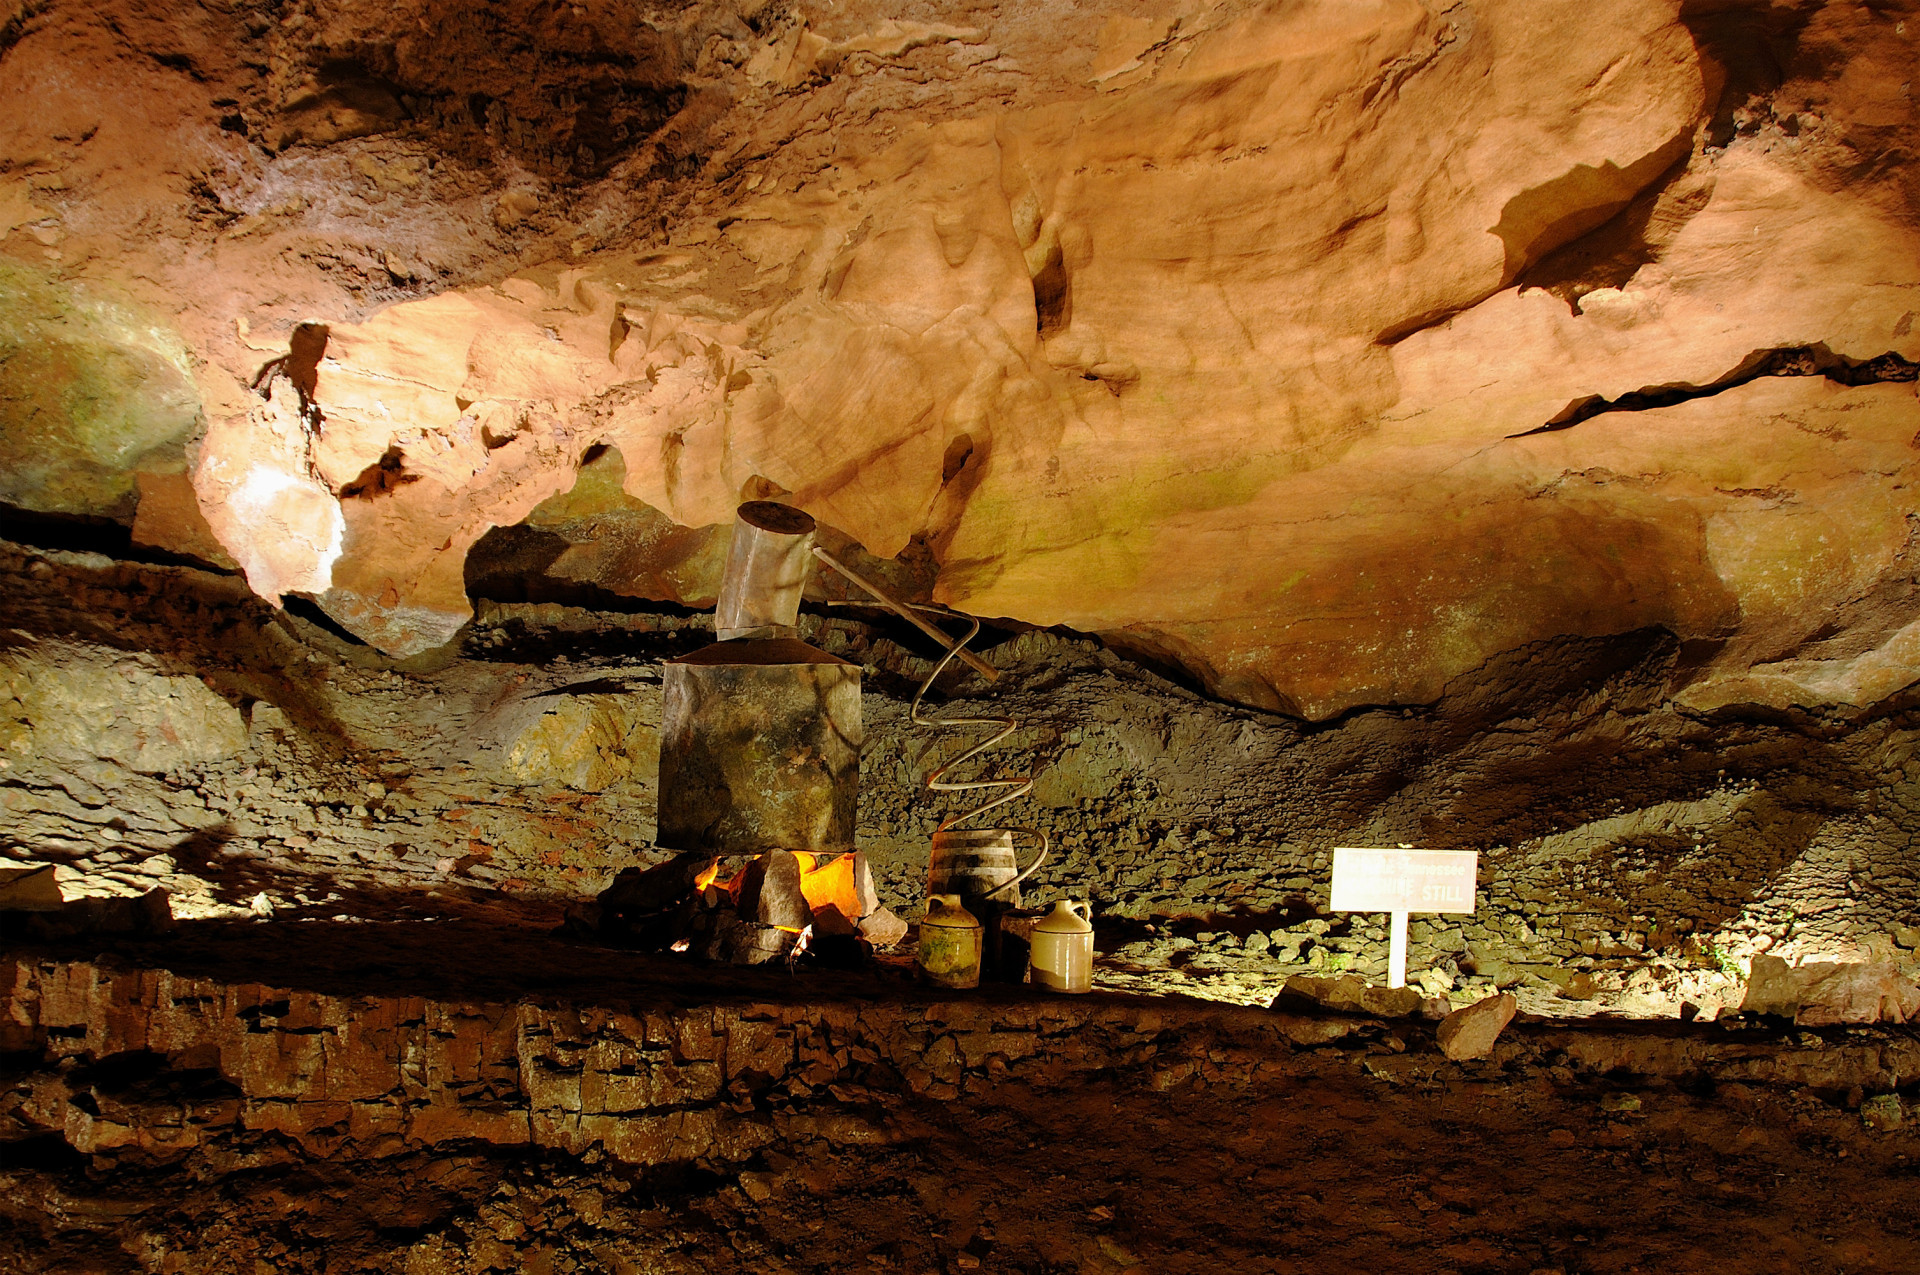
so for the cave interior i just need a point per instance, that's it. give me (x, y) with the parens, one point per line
(535, 536)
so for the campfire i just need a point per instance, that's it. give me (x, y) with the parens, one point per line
(771, 906)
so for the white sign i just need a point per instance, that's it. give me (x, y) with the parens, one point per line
(1404, 880)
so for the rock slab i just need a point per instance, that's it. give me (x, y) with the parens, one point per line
(1470, 1033)
(1349, 994)
(1827, 993)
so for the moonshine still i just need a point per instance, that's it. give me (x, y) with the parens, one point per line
(760, 735)
(759, 777)
(759, 786)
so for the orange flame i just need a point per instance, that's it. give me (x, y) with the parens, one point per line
(832, 885)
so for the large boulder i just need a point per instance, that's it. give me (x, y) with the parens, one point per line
(1829, 993)
(95, 395)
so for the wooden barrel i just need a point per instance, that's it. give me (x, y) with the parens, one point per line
(979, 865)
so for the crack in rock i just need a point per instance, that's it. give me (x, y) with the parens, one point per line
(1789, 360)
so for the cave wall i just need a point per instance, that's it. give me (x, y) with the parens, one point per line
(1464, 425)
(1323, 350)
(162, 727)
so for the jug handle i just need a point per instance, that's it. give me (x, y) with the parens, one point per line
(1029, 870)
(1085, 908)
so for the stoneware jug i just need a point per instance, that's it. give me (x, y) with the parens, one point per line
(949, 943)
(1063, 948)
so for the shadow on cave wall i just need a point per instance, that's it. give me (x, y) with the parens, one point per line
(1750, 51)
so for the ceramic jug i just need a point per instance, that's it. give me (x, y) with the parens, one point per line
(949, 943)
(1063, 948)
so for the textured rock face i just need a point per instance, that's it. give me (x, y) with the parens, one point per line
(663, 1081)
(1825, 993)
(65, 704)
(96, 400)
(1328, 350)
(657, 1085)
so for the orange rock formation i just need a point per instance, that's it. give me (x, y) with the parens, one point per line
(1327, 348)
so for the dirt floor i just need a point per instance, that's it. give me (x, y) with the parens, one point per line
(1225, 1144)
(1324, 1172)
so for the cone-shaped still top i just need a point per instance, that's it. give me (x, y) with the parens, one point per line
(767, 566)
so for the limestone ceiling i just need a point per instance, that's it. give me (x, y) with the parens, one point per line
(1328, 348)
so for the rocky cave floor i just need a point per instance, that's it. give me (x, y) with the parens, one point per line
(850, 1120)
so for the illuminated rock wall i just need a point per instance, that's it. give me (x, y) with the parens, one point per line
(160, 727)
(1326, 350)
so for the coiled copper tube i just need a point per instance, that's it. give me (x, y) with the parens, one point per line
(1016, 786)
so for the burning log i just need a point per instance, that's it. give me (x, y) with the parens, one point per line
(752, 914)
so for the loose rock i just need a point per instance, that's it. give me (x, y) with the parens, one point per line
(1883, 1111)
(882, 928)
(1827, 993)
(1349, 994)
(1471, 1032)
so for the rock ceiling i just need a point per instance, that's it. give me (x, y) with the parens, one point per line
(1327, 348)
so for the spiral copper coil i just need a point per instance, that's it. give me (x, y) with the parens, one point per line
(938, 781)
(1016, 786)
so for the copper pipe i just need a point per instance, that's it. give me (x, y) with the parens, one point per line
(947, 644)
(1017, 786)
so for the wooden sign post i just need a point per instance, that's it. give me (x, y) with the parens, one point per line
(1402, 881)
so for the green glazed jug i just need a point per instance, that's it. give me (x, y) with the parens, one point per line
(949, 943)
